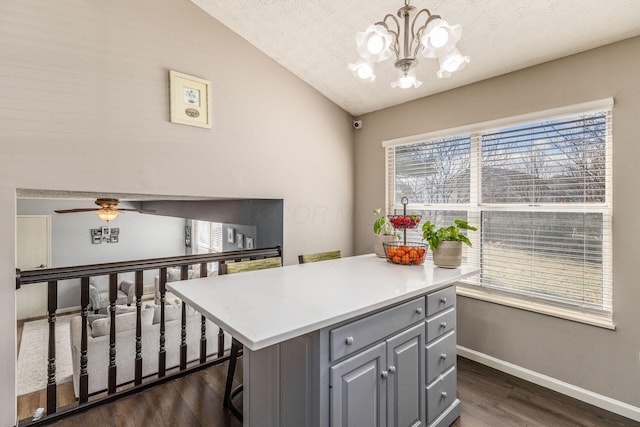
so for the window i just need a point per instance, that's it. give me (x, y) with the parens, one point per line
(540, 190)
(208, 237)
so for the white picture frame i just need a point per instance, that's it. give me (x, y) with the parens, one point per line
(231, 235)
(249, 243)
(240, 240)
(190, 99)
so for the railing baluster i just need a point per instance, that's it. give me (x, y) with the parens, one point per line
(162, 355)
(84, 375)
(139, 290)
(52, 305)
(113, 295)
(184, 275)
(203, 321)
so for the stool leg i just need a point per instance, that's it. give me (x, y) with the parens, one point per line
(233, 358)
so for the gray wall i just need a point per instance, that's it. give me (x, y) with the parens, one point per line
(603, 361)
(266, 216)
(85, 107)
(141, 236)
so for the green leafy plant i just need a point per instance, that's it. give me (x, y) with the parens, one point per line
(453, 233)
(382, 224)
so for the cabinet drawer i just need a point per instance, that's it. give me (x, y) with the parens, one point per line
(441, 324)
(440, 394)
(359, 334)
(440, 300)
(441, 355)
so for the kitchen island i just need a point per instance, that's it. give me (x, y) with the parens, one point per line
(351, 341)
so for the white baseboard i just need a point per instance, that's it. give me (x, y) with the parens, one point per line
(595, 399)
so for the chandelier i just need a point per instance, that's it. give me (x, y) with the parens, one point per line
(404, 38)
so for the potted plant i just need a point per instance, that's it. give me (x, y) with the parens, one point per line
(384, 232)
(446, 242)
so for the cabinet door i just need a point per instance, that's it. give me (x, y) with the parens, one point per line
(358, 390)
(406, 383)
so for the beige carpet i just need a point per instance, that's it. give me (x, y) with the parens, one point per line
(32, 357)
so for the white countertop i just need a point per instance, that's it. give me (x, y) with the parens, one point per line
(266, 307)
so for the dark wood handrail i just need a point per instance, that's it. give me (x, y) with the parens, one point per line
(53, 275)
(65, 273)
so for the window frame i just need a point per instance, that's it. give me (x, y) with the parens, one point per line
(475, 207)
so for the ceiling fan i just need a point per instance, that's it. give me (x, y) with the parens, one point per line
(108, 209)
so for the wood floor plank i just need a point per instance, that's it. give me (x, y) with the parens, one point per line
(489, 399)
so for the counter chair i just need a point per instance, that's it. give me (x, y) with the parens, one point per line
(320, 256)
(236, 346)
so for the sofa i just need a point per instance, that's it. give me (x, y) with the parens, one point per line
(98, 343)
(173, 275)
(99, 291)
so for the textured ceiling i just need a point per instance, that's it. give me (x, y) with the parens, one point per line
(315, 39)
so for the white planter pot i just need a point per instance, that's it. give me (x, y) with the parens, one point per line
(448, 254)
(381, 238)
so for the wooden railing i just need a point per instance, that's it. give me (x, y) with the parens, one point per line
(53, 275)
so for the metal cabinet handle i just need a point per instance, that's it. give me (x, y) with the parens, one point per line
(443, 300)
(384, 374)
(443, 355)
(349, 340)
(444, 394)
(392, 369)
(419, 310)
(443, 324)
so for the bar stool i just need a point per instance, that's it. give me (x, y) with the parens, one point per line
(236, 346)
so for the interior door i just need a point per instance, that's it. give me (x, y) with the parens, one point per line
(33, 250)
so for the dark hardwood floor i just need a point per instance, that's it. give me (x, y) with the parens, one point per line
(489, 399)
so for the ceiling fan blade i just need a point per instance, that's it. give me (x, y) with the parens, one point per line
(138, 210)
(76, 210)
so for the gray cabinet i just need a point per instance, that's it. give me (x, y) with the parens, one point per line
(442, 402)
(383, 385)
(358, 390)
(405, 382)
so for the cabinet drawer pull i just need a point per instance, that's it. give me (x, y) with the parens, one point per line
(384, 374)
(444, 394)
(419, 310)
(349, 340)
(443, 356)
(392, 369)
(443, 300)
(443, 324)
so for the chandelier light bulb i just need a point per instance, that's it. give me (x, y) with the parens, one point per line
(363, 70)
(375, 44)
(451, 62)
(439, 37)
(407, 80)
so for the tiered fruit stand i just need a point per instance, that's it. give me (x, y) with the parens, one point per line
(405, 253)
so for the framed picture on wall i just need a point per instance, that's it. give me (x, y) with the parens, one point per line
(240, 240)
(96, 236)
(231, 234)
(190, 99)
(115, 231)
(106, 231)
(249, 241)
(115, 238)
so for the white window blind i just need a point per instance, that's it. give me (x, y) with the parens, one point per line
(208, 237)
(541, 194)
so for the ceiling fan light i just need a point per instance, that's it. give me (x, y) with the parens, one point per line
(363, 70)
(107, 214)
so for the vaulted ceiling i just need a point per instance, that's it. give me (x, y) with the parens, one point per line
(315, 39)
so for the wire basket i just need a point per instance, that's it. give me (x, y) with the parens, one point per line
(410, 253)
(404, 222)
